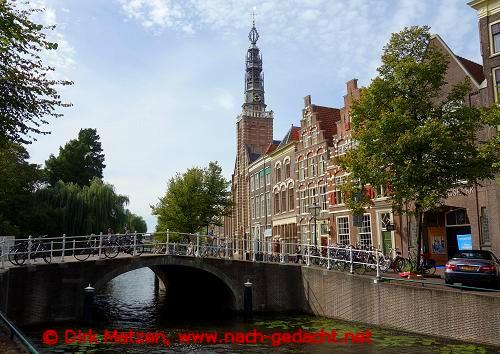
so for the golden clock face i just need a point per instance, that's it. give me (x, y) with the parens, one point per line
(256, 97)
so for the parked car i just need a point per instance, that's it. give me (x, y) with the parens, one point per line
(475, 267)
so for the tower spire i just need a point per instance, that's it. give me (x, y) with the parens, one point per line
(253, 36)
(254, 79)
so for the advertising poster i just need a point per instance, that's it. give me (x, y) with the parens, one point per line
(464, 242)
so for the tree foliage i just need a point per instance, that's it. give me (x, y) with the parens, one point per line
(194, 199)
(82, 210)
(79, 161)
(27, 93)
(413, 139)
(18, 180)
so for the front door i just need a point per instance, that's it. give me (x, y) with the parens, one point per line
(386, 241)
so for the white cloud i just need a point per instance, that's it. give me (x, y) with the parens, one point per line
(61, 59)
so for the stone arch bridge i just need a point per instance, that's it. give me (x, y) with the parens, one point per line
(39, 293)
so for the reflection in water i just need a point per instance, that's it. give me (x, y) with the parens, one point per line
(130, 301)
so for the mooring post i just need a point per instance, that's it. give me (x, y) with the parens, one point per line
(88, 303)
(247, 299)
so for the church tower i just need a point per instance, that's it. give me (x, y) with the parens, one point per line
(254, 133)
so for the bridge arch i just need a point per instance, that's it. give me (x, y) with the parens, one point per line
(173, 271)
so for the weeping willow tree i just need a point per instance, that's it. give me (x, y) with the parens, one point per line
(78, 210)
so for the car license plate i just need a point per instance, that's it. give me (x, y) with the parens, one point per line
(468, 268)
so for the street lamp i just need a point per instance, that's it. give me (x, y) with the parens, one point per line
(314, 210)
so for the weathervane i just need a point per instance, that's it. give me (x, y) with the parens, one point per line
(253, 36)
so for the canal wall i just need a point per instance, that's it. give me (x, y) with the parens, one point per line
(428, 310)
(42, 293)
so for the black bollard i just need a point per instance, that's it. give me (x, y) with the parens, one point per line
(247, 300)
(88, 303)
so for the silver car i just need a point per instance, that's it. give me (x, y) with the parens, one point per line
(474, 267)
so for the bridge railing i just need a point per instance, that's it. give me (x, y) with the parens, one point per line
(41, 249)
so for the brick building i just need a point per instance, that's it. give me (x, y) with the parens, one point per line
(254, 133)
(317, 128)
(283, 190)
(259, 173)
(275, 183)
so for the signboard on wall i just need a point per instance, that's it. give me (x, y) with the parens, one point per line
(438, 245)
(464, 242)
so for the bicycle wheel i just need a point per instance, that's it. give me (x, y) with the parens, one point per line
(82, 251)
(139, 248)
(13, 255)
(384, 264)
(111, 249)
(20, 255)
(44, 252)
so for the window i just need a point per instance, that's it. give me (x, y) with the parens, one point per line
(256, 176)
(324, 229)
(278, 174)
(485, 232)
(365, 231)
(381, 192)
(302, 170)
(495, 37)
(302, 202)
(343, 230)
(311, 167)
(268, 203)
(277, 202)
(268, 175)
(283, 200)
(322, 198)
(261, 178)
(262, 210)
(257, 211)
(253, 208)
(287, 170)
(496, 79)
(291, 199)
(305, 139)
(322, 164)
(303, 235)
(251, 183)
(312, 195)
(337, 197)
(314, 138)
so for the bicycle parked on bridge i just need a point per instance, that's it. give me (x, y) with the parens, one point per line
(19, 253)
(124, 243)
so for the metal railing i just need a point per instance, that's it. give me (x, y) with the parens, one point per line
(15, 332)
(33, 250)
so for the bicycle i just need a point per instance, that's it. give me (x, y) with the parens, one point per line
(19, 253)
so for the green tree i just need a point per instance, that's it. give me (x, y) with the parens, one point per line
(193, 200)
(18, 180)
(80, 210)
(411, 137)
(218, 195)
(79, 161)
(135, 222)
(27, 93)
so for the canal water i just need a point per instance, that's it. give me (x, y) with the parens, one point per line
(131, 302)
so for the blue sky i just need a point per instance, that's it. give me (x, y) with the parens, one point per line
(162, 80)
